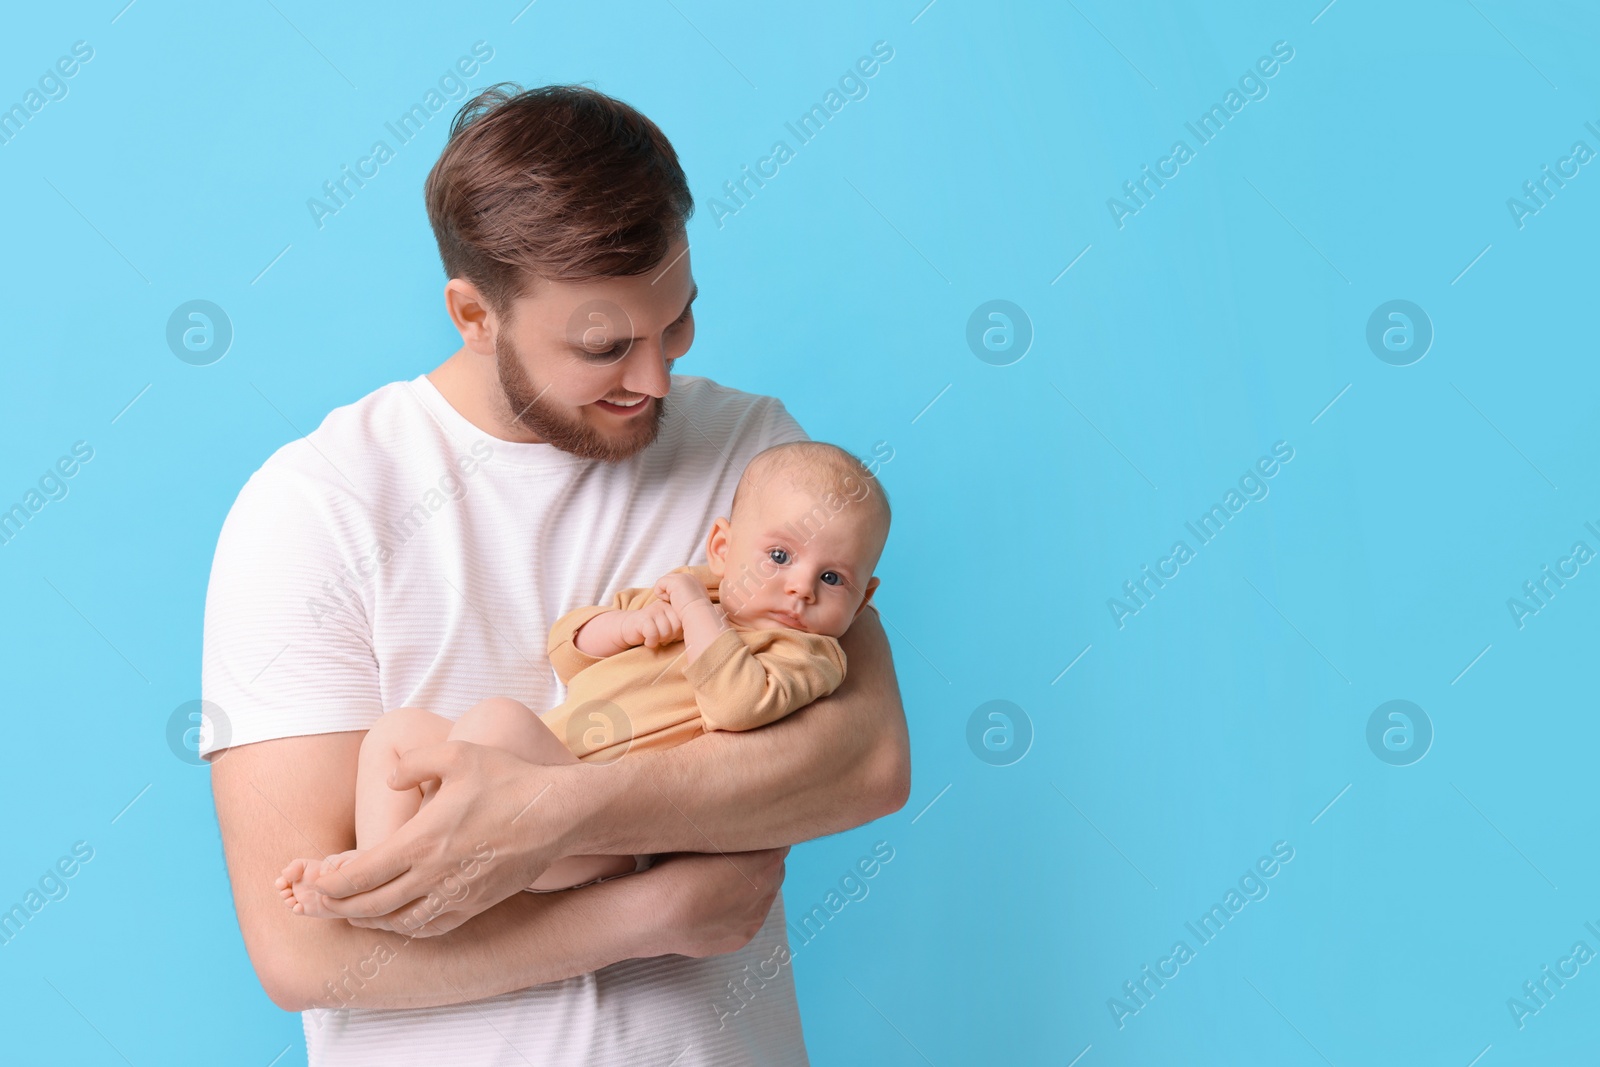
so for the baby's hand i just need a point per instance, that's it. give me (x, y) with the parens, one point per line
(680, 590)
(652, 625)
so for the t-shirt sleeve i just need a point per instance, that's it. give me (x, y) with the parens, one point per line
(287, 646)
(780, 427)
(738, 688)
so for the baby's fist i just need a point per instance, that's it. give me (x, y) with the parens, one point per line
(679, 589)
(652, 625)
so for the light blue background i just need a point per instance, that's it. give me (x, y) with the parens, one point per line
(1223, 317)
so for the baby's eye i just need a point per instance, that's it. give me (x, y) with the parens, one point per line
(832, 577)
(778, 555)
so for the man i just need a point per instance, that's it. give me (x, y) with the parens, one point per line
(413, 551)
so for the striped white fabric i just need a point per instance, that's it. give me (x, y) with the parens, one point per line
(400, 556)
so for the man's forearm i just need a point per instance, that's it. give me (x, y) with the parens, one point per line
(275, 798)
(526, 940)
(835, 764)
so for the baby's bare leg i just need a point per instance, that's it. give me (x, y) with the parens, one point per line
(380, 811)
(511, 725)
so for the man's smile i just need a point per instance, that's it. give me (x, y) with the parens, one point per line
(632, 407)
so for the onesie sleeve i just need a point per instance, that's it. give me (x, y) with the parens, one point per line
(565, 656)
(740, 689)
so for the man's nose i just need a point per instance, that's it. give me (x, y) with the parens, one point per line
(646, 369)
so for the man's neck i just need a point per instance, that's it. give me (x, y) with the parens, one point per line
(468, 383)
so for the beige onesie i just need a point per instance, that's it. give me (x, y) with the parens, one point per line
(644, 698)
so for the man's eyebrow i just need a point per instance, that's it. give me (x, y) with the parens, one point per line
(632, 340)
(687, 304)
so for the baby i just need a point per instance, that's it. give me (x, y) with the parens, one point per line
(733, 644)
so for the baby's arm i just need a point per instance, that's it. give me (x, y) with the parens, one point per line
(740, 689)
(616, 631)
(585, 636)
(700, 621)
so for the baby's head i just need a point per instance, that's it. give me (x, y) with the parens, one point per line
(808, 525)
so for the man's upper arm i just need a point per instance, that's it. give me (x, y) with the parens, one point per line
(276, 801)
(289, 677)
(868, 703)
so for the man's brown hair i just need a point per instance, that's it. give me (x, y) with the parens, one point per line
(558, 182)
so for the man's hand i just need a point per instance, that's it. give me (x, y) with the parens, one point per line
(711, 903)
(494, 824)
(654, 624)
(700, 904)
(832, 765)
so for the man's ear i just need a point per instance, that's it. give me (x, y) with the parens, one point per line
(717, 547)
(471, 316)
(872, 586)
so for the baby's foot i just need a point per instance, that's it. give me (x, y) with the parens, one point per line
(298, 895)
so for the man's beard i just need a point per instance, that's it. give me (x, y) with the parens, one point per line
(529, 410)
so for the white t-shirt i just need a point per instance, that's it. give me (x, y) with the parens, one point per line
(399, 556)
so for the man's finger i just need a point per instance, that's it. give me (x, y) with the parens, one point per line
(422, 764)
(394, 896)
(374, 883)
(408, 920)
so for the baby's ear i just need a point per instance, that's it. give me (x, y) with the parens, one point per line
(717, 546)
(872, 587)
